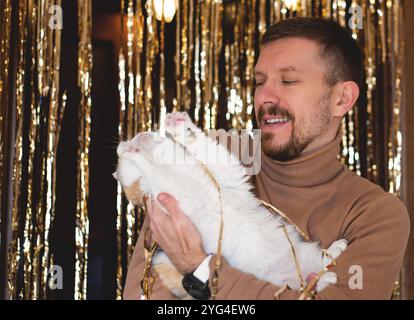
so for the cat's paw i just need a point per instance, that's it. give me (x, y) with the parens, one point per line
(169, 276)
(327, 279)
(179, 125)
(334, 251)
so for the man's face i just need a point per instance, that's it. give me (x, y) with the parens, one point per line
(292, 101)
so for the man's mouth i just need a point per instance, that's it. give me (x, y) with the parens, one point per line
(274, 120)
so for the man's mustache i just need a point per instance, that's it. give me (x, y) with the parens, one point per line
(274, 110)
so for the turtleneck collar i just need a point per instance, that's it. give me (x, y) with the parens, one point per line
(315, 168)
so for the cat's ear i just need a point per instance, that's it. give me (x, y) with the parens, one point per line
(115, 175)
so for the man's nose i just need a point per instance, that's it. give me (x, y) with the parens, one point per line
(267, 93)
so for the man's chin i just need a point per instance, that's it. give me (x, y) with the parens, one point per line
(272, 144)
(282, 152)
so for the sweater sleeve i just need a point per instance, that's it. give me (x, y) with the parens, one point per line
(132, 288)
(377, 236)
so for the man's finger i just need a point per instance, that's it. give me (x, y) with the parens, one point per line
(158, 214)
(169, 203)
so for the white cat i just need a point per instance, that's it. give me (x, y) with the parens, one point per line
(253, 239)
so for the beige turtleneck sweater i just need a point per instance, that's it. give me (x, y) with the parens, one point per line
(328, 202)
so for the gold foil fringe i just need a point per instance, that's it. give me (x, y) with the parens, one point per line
(84, 139)
(216, 45)
(34, 199)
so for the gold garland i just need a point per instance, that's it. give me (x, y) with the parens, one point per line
(146, 278)
(85, 85)
(295, 258)
(5, 23)
(284, 216)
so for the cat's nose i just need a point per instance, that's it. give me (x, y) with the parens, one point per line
(126, 147)
(133, 149)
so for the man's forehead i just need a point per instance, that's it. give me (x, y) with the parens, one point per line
(288, 55)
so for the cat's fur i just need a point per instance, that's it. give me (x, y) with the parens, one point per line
(253, 240)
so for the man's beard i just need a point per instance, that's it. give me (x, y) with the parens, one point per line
(302, 134)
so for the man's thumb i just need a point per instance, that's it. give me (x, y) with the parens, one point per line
(168, 202)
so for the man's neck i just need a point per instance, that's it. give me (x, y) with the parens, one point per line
(315, 168)
(322, 140)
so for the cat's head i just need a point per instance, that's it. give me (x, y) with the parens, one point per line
(144, 142)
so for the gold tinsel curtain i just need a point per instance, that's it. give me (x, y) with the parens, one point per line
(201, 62)
(31, 38)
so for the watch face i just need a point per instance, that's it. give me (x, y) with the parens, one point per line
(197, 289)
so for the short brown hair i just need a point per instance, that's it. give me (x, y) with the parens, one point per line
(339, 51)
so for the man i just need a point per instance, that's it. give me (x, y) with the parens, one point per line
(307, 76)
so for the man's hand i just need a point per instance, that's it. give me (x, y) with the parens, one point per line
(175, 234)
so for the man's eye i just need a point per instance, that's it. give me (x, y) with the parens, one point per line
(258, 83)
(289, 81)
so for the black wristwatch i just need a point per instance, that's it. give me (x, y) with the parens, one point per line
(195, 287)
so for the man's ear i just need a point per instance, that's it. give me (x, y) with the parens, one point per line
(345, 96)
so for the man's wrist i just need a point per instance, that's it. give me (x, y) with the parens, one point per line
(202, 272)
(195, 264)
